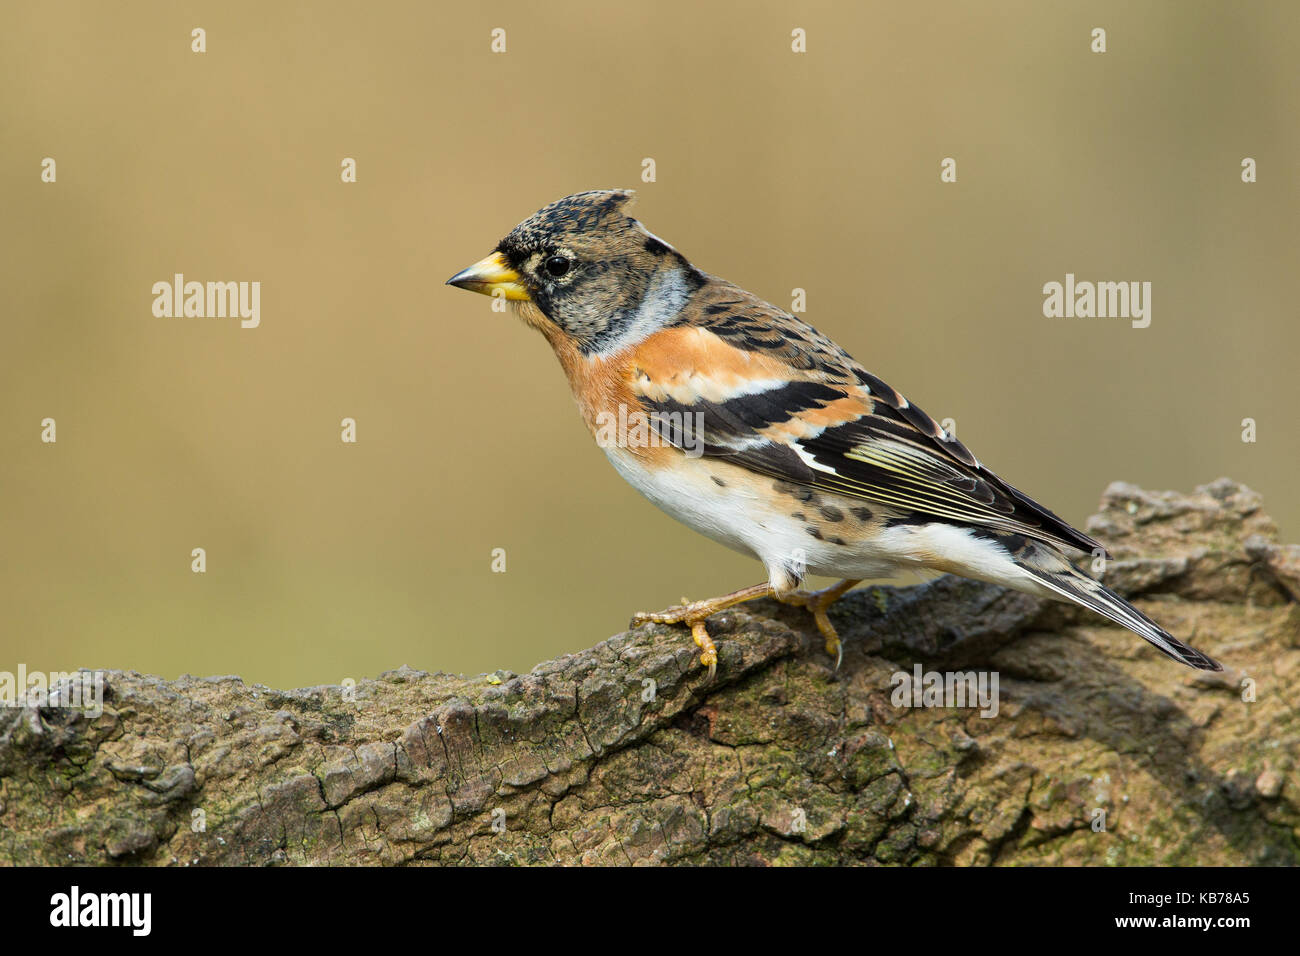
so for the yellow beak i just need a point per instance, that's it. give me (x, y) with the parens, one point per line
(490, 275)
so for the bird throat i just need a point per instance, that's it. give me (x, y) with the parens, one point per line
(664, 297)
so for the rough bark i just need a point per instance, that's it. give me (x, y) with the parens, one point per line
(621, 754)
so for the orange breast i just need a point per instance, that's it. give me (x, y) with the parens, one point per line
(602, 387)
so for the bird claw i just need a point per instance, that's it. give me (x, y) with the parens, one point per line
(688, 614)
(694, 613)
(816, 603)
(708, 650)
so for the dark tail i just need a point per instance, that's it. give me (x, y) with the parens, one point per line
(1071, 585)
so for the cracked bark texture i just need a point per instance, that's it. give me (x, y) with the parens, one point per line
(621, 754)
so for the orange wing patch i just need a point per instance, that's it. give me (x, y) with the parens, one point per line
(691, 364)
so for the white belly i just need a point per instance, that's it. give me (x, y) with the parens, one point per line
(746, 517)
(749, 516)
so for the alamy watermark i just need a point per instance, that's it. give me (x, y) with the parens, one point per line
(74, 908)
(1101, 300)
(211, 300)
(633, 428)
(946, 689)
(73, 690)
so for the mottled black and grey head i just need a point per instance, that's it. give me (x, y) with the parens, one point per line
(591, 269)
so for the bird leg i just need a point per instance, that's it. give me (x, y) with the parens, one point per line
(694, 613)
(817, 602)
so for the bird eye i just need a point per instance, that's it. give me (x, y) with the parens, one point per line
(557, 266)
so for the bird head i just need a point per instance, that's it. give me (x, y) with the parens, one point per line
(582, 267)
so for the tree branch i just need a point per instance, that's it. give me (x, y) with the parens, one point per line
(621, 754)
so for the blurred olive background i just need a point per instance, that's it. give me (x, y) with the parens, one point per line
(776, 170)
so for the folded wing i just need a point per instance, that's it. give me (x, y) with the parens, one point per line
(831, 425)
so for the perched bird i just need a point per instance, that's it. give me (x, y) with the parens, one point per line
(758, 431)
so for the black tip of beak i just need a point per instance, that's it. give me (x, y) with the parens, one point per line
(460, 279)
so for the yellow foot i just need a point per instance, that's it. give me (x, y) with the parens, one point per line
(817, 602)
(694, 613)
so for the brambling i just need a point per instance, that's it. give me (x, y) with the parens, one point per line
(756, 430)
